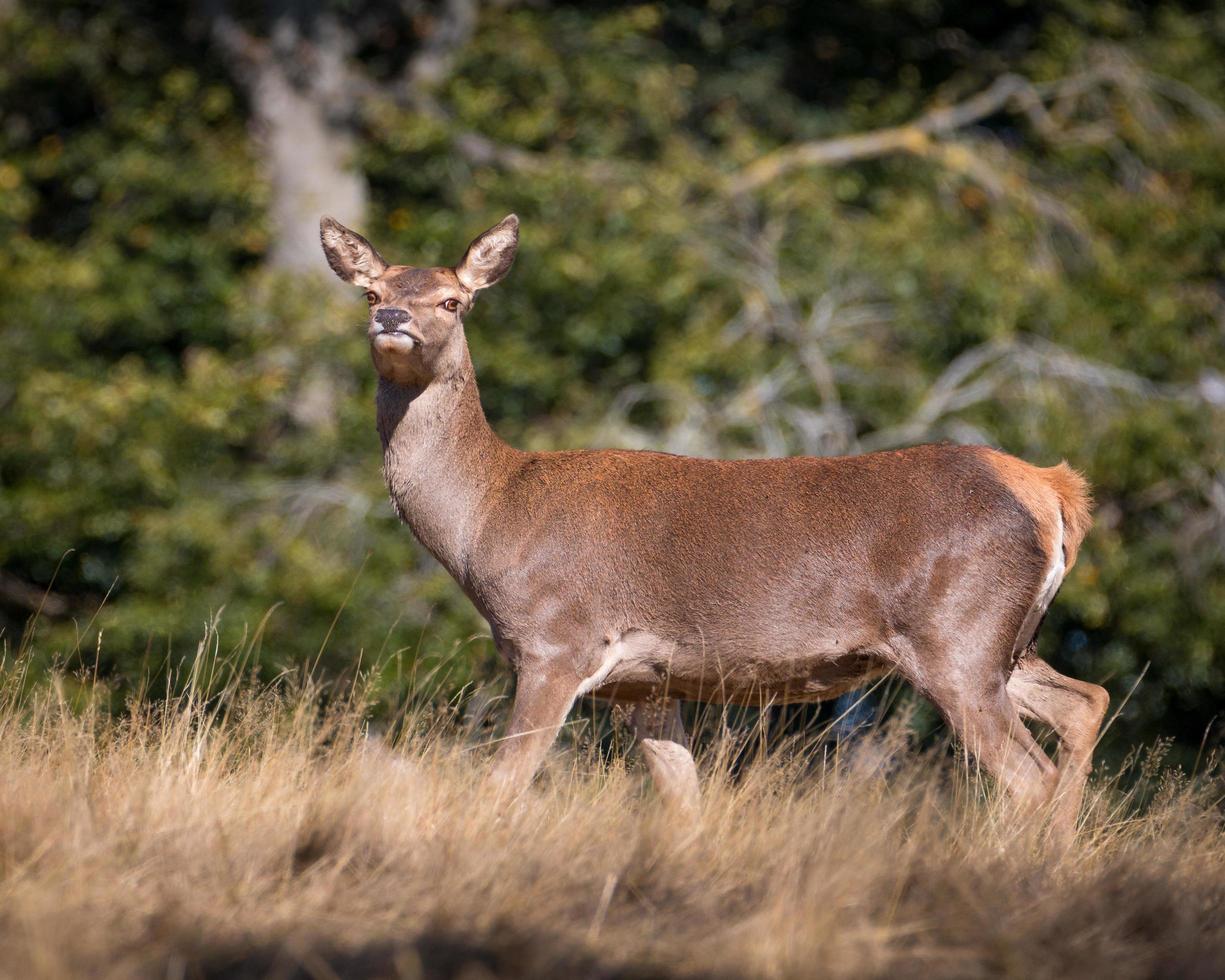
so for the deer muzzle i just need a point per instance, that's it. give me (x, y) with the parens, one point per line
(391, 318)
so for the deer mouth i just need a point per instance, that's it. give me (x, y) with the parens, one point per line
(397, 335)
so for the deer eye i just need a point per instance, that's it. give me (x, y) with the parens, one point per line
(450, 305)
(372, 297)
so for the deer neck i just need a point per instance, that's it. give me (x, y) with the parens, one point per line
(441, 459)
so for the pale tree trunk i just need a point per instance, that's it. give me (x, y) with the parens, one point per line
(305, 128)
(306, 94)
(304, 101)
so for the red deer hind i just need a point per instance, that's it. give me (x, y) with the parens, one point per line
(646, 578)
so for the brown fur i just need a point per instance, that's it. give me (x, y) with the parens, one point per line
(1056, 496)
(1075, 503)
(642, 576)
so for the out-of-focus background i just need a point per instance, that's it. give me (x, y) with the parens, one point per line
(748, 229)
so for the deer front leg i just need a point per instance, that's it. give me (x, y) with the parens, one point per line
(665, 747)
(543, 697)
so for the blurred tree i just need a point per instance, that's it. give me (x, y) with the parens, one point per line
(299, 65)
(748, 228)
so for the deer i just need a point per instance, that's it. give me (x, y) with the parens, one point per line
(647, 579)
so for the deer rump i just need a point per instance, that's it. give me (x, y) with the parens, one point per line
(781, 579)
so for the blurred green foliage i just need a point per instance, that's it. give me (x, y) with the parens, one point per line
(187, 429)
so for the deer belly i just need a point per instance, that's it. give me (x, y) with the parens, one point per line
(642, 667)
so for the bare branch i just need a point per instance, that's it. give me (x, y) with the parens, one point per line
(1205, 109)
(961, 158)
(32, 598)
(984, 372)
(1007, 93)
(911, 138)
(481, 151)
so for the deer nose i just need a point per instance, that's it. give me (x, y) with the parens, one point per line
(390, 318)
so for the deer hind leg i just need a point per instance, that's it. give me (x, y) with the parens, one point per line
(989, 726)
(665, 747)
(1075, 710)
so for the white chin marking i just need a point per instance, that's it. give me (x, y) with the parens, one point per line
(396, 342)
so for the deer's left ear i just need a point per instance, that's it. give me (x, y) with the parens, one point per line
(351, 257)
(490, 255)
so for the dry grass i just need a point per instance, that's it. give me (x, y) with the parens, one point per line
(255, 835)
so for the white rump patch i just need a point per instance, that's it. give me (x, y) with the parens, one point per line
(1050, 585)
(1055, 576)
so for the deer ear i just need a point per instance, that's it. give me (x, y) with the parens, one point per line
(350, 256)
(490, 255)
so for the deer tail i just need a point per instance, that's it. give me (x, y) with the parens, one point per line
(1075, 506)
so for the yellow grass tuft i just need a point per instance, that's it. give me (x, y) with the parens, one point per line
(257, 834)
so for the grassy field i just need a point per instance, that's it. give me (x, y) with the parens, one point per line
(257, 833)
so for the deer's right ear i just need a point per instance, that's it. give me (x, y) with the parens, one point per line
(350, 256)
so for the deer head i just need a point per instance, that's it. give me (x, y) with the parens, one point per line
(416, 314)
